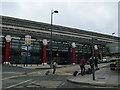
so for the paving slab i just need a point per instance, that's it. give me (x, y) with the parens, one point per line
(47, 84)
(103, 77)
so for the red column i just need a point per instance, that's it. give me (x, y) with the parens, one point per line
(7, 49)
(95, 51)
(7, 52)
(44, 54)
(73, 56)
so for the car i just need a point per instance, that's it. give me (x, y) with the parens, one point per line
(104, 59)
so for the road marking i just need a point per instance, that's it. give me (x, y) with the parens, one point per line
(10, 73)
(19, 83)
(105, 87)
(61, 84)
(64, 73)
(12, 77)
(22, 75)
(100, 82)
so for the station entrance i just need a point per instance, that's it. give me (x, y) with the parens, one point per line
(62, 50)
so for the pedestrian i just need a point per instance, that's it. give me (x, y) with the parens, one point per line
(54, 65)
(82, 66)
(90, 63)
(96, 63)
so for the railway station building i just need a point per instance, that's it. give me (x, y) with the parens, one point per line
(67, 44)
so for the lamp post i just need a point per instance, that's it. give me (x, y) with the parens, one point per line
(113, 33)
(93, 70)
(113, 43)
(52, 12)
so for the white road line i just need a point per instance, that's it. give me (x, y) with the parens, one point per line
(62, 84)
(18, 84)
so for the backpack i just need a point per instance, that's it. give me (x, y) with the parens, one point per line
(75, 73)
(89, 71)
(47, 72)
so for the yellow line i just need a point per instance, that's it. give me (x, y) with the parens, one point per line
(12, 77)
(67, 73)
(103, 65)
(63, 73)
(103, 87)
(10, 72)
(22, 75)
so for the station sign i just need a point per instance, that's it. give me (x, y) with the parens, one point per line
(27, 40)
(25, 54)
(24, 48)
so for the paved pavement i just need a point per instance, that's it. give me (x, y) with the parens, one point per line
(103, 77)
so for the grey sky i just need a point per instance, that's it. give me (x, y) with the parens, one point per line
(101, 17)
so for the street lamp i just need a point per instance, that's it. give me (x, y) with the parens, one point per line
(52, 12)
(93, 70)
(113, 36)
(113, 33)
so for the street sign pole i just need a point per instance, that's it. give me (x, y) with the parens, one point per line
(27, 44)
(27, 57)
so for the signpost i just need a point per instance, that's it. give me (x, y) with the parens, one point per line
(27, 44)
(27, 40)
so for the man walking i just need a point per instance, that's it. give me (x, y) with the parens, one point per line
(54, 64)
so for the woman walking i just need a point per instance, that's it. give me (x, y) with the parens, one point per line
(82, 66)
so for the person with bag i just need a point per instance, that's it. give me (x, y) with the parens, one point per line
(54, 65)
(90, 63)
(82, 66)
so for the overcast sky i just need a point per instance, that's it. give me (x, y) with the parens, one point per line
(100, 17)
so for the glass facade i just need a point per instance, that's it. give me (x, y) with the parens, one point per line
(61, 50)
